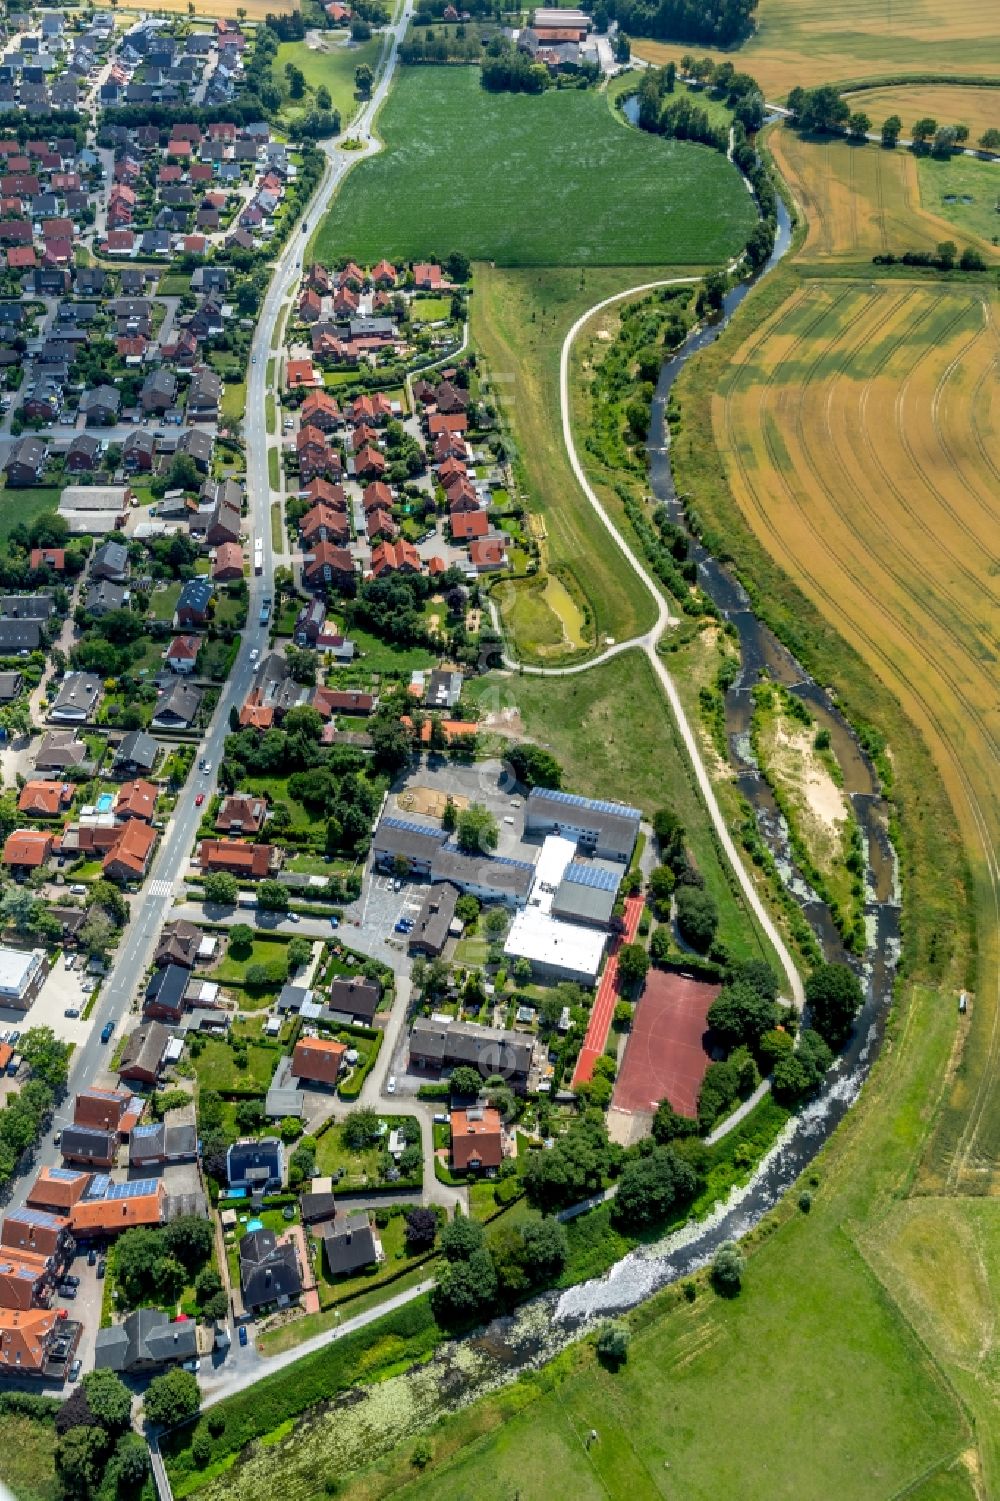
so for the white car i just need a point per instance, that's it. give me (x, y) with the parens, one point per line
(390, 1087)
(192, 1365)
(254, 654)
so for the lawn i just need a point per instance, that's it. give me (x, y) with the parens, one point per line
(430, 309)
(217, 1070)
(359, 1169)
(163, 601)
(331, 63)
(234, 401)
(230, 971)
(809, 42)
(555, 180)
(23, 506)
(389, 656)
(613, 733)
(274, 468)
(27, 1458)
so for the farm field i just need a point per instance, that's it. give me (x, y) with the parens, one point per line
(964, 192)
(333, 64)
(809, 42)
(978, 108)
(611, 728)
(861, 443)
(519, 321)
(547, 186)
(256, 10)
(859, 201)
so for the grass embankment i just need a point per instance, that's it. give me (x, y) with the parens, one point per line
(519, 322)
(555, 181)
(860, 200)
(331, 63)
(978, 108)
(612, 731)
(807, 42)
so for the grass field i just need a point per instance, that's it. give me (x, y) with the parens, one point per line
(519, 321)
(611, 728)
(27, 1459)
(861, 449)
(333, 64)
(860, 200)
(542, 616)
(22, 506)
(553, 180)
(978, 108)
(964, 192)
(809, 42)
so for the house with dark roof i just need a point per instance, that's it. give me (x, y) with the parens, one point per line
(164, 1000)
(356, 997)
(89, 1147)
(142, 1055)
(136, 754)
(147, 1340)
(177, 706)
(350, 1243)
(256, 1164)
(193, 602)
(269, 1271)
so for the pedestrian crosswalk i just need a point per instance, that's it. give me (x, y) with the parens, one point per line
(160, 888)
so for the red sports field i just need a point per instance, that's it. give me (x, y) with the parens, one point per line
(665, 1058)
(607, 996)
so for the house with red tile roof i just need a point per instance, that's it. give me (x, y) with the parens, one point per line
(128, 859)
(137, 800)
(182, 653)
(301, 372)
(48, 557)
(377, 496)
(310, 306)
(318, 1060)
(228, 563)
(245, 861)
(395, 557)
(384, 274)
(427, 278)
(488, 554)
(320, 410)
(477, 1139)
(45, 799)
(466, 525)
(321, 491)
(328, 564)
(27, 849)
(323, 523)
(369, 463)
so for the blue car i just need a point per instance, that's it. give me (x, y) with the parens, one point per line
(107, 1031)
(244, 1339)
(335, 922)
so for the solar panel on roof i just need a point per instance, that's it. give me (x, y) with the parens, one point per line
(451, 848)
(591, 875)
(63, 1174)
(145, 1130)
(99, 1185)
(573, 800)
(410, 827)
(33, 1217)
(135, 1190)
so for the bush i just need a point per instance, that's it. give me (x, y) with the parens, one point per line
(727, 1270)
(612, 1346)
(697, 917)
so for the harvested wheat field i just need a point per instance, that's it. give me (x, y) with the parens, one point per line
(810, 42)
(860, 428)
(861, 201)
(256, 10)
(978, 108)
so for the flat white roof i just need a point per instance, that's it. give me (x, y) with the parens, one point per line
(547, 940)
(17, 967)
(555, 855)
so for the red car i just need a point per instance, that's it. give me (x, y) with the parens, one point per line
(199, 799)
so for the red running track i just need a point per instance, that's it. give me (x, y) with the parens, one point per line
(607, 997)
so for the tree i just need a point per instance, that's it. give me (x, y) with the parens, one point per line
(522, 971)
(299, 953)
(651, 1187)
(834, 998)
(668, 1125)
(535, 767)
(891, 130)
(97, 932)
(221, 889)
(670, 77)
(622, 1016)
(990, 139)
(612, 1345)
(363, 79)
(738, 1014)
(391, 744)
(296, 81)
(799, 1073)
(495, 923)
(421, 1229)
(923, 130)
(106, 895)
(272, 896)
(79, 1461)
(971, 260)
(109, 1400)
(727, 1269)
(858, 125)
(465, 1081)
(45, 1055)
(19, 909)
(477, 830)
(172, 1398)
(362, 1128)
(465, 1289)
(129, 1465)
(947, 253)
(240, 940)
(467, 908)
(189, 1238)
(573, 1169)
(546, 1248)
(661, 888)
(633, 963)
(323, 99)
(461, 1238)
(697, 917)
(669, 833)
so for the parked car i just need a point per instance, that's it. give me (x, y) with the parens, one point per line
(70, 961)
(78, 890)
(390, 1088)
(244, 1337)
(401, 926)
(192, 1365)
(102, 1267)
(107, 1031)
(71, 1281)
(14, 1038)
(293, 917)
(335, 922)
(72, 1011)
(91, 1256)
(57, 1138)
(66, 1292)
(75, 1369)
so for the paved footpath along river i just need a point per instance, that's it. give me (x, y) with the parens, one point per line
(384, 1415)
